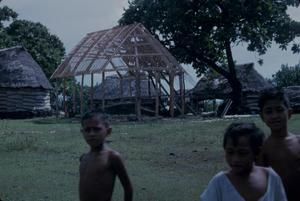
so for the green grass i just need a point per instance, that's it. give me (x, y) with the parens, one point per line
(168, 160)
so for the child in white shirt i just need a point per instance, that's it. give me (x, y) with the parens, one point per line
(244, 181)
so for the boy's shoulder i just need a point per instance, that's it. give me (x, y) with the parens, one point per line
(113, 154)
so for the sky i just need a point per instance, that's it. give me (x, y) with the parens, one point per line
(71, 20)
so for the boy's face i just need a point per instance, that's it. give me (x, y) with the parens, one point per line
(239, 157)
(94, 132)
(275, 114)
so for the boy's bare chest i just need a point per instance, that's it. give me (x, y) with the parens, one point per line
(95, 165)
(284, 157)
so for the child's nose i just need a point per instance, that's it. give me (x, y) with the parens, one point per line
(236, 158)
(274, 114)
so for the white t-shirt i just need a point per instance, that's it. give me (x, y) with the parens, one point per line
(221, 189)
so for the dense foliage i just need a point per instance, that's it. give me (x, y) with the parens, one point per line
(287, 76)
(45, 48)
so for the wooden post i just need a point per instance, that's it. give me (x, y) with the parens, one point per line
(157, 94)
(137, 83)
(81, 95)
(56, 98)
(64, 97)
(103, 91)
(138, 95)
(121, 88)
(171, 81)
(92, 92)
(149, 86)
(74, 97)
(182, 91)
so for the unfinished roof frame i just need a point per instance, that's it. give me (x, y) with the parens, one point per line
(130, 49)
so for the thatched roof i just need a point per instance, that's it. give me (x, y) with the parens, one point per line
(120, 49)
(18, 69)
(250, 79)
(112, 88)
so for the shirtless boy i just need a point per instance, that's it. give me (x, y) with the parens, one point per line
(281, 150)
(101, 165)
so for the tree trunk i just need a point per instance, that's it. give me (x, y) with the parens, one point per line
(236, 95)
(236, 86)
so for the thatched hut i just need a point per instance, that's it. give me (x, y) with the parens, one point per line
(24, 88)
(252, 84)
(120, 94)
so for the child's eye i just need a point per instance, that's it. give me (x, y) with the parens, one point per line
(229, 152)
(280, 109)
(268, 111)
(243, 153)
(95, 129)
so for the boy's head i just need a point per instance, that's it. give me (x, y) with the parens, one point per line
(242, 143)
(254, 135)
(273, 94)
(97, 116)
(95, 128)
(275, 109)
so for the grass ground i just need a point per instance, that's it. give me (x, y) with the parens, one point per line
(168, 160)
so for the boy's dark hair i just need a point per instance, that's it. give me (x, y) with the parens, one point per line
(239, 129)
(95, 114)
(273, 94)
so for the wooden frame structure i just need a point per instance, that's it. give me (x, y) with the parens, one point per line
(126, 50)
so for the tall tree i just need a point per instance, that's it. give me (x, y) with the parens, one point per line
(287, 76)
(6, 15)
(45, 48)
(202, 32)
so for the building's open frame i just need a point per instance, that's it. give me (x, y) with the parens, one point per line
(126, 50)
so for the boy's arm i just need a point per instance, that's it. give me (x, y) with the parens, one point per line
(120, 169)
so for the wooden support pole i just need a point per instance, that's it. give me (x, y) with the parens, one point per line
(74, 97)
(137, 83)
(138, 95)
(121, 88)
(81, 95)
(149, 87)
(92, 92)
(56, 98)
(182, 92)
(157, 94)
(172, 93)
(103, 91)
(64, 96)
